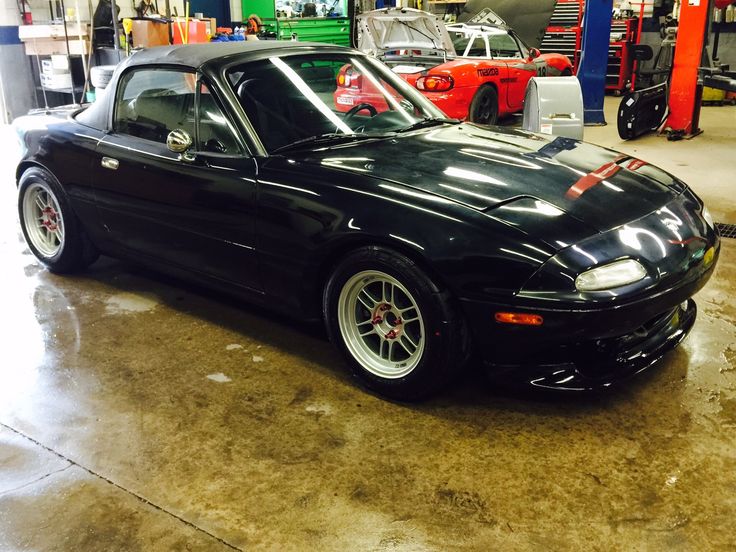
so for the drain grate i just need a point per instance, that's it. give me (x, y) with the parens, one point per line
(726, 230)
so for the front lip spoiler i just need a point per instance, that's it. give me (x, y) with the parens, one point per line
(595, 372)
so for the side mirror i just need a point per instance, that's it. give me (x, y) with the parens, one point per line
(534, 53)
(179, 141)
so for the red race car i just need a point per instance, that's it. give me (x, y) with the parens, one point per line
(471, 71)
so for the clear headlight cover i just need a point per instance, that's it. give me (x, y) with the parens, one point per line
(613, 275)
(708, 218)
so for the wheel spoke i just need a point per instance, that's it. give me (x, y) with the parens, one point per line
(410, 340)
(367, 333)
(366, 299)
(44, 237)
(408, 348)
(381, 347)
(39, 202)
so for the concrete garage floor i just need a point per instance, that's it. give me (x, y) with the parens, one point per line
(138, 413)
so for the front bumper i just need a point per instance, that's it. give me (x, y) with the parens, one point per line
(585, 349)
(599, 364)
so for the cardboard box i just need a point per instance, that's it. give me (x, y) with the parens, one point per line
(60, 62)
(48, 67)
(57, 82)
(51, 46)
(29, 32)
(211, 24)
(147, 34)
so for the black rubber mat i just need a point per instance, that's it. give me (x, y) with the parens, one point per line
(726, 230)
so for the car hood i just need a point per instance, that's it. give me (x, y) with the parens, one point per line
(513, 175)
(380, 31)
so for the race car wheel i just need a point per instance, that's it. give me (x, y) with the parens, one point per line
(51, 229)
(484, 107)
(402, 335)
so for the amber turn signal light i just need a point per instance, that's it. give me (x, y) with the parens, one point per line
(519, 318)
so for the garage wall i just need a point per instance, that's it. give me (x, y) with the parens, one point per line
(16, 85)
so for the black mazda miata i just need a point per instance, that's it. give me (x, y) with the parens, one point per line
(420, 241)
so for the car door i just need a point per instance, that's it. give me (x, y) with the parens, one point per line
(521, 69)
(188, 210)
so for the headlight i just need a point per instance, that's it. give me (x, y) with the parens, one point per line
(616, 274)
(708, 218)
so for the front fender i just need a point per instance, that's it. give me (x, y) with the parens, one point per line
(304, 229)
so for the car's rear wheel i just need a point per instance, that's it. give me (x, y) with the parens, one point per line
(567, 72)
(50, 227)
(484, 107)
(400, 333)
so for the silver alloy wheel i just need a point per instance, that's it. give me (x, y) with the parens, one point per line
(381, 324)
(43, 220)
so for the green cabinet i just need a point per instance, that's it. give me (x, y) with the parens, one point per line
(333, 30)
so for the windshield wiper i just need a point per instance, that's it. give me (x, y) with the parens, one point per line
(319, 138)
(429, 121)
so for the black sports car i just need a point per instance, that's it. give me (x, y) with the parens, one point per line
(418, 240)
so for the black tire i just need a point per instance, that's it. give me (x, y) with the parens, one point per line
(74, 250)
(567, 72)
(445, 344)
(484, 107)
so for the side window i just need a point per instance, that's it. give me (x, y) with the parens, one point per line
(522, 47)
(153, 102)
(214, 131)
(503, 45)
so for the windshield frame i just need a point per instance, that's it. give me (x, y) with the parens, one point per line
(485, 33)
(400, 85)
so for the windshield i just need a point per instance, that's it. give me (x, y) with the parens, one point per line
(293, 99)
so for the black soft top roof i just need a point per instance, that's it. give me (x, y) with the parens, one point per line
(196, 55)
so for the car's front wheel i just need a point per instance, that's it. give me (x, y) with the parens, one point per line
(484, 107)
(400, 333)
(51, 229)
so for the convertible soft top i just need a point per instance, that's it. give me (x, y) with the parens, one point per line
(196, 55)
(192, 56)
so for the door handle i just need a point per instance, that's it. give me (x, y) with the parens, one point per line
(110, 163)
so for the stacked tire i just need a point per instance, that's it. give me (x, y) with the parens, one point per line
(100, 76)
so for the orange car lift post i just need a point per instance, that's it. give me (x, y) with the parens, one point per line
(684, 101)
